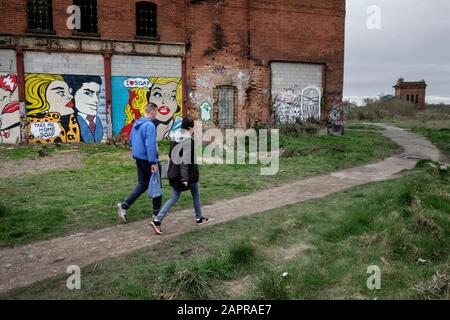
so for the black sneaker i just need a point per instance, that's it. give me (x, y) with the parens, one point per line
(156, 226)
(202, 221)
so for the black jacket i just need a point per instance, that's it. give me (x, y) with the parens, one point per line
(183, 163)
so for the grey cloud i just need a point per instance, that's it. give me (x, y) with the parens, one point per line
(414, 43)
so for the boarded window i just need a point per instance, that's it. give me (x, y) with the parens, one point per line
(88, 15)
(226, 100)
(40, 15)
(146, 23)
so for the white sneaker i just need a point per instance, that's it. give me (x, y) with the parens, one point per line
(122, 213)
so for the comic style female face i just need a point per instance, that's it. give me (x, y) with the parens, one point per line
(59, 98)
(164, 96)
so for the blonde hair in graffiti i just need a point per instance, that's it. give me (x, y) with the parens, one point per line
(140, 101)
(36, 87)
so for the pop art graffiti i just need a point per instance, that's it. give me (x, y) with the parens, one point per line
(65, 108)
(132, 94)
(9, 109)
(291, 105)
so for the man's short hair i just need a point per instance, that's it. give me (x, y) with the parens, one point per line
(151, 107)
(76, 82)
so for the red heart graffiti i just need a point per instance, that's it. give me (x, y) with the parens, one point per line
(8, 82)
(131, 82)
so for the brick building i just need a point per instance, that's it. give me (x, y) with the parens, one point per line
(414, 92)
(86, 75)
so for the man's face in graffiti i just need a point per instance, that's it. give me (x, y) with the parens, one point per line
(59, 98)
(164, 96)
(87, 98)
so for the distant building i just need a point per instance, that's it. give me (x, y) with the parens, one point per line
(413, 92)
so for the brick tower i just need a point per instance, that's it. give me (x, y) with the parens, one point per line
(413, 92)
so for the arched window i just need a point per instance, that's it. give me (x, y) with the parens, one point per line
(407, 97)
(89, 19)
(40, 16)
(146, 19)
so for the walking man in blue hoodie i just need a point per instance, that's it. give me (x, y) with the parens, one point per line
(145, 152)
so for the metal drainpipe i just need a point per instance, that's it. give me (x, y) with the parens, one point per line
(108, 92)
(20, 68)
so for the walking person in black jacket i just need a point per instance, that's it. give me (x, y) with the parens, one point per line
(183, 173)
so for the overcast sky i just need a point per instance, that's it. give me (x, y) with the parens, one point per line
(413, 43)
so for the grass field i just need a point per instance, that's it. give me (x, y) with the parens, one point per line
(325, 246)
(362, 126)
(56, 203)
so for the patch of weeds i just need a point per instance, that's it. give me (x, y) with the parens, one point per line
(406, 213)
(185, 282)
(367, 240)
(437, 202)
(438, 287)
(241, 253)
(274, 234)
(338, 149)
(406, 197)
(271, 287)
(134, 291)
(193, 279)
(398, 244)
(426, 226)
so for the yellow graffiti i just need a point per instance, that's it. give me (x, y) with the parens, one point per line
(140, 101)
(36, 87)
(49, 107)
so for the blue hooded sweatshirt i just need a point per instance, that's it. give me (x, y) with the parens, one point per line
(143, 140)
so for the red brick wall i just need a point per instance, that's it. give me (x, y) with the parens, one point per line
(257, 32)
(116, 18)
(402, 93)
(243, 35)
(13, 16)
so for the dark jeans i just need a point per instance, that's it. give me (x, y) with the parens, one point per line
(144, 172)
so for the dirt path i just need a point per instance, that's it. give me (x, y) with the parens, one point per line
(22, 266)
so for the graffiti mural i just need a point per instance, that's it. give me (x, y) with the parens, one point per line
(287, 105)
(65, 108)
(291, 104)
(335, 116)
(220, 70)
(9, 109)
(205, 112)
(311, 104)
(131, 95)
